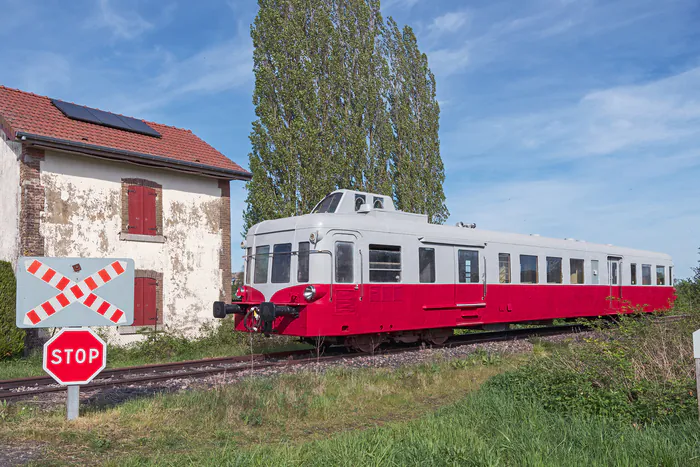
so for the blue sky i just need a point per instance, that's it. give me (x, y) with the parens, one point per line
(560, 117)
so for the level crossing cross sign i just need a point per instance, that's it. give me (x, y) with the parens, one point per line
(58, 292)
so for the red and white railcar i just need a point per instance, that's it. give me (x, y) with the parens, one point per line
(357, 271)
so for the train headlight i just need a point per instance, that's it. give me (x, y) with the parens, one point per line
(309, 293)
(312, 238)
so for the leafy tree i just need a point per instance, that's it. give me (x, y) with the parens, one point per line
(342, 100)
(11, 337)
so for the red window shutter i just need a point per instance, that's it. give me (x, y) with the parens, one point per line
(135, 195)
(149, 211)
(138, 301)
(150, 315)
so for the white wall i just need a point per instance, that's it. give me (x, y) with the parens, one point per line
(9, 199)
(83, 218)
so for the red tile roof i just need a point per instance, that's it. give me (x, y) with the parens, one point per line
(31, 114)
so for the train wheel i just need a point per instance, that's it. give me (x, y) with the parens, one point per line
(364, 343)
(438, 336)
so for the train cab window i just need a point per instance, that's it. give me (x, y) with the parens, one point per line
(504, 268)
(359, 201)
(633, 274)
(329, 204)
(262, 262)
(528, 269)
(468, 266)
(576, 271)
(344, 265)
(554, 270)
(595, 272)
(384, 263)
(281, 263)
(248, 264)
(646, 274)
(426, 265)
(303, 263)
(660, 275)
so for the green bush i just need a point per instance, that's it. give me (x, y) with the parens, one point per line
(640, 370)
(11, 337)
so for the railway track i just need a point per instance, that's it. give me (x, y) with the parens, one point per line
(22, 388)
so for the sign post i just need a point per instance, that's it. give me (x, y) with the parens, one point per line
(73, 357)
(71, 293)
(696, 353)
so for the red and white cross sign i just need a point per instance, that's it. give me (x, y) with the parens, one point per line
(71, 292)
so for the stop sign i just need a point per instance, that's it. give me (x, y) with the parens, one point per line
(74, 356)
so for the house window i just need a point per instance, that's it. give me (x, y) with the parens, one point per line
(426, 264)
(576, 271)
(303, 264)
(142, 208)
(344, 265)
(384, 263)
(281, 263)
(148, 302)
(468, 266)
(660, 275)
(646, 274)
(262, 263)
(528, 269)
(633, 274)
(504, 268)
(554, 270)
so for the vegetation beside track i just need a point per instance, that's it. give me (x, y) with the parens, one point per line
(219, 340)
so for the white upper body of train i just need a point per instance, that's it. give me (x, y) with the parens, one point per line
(357, 237)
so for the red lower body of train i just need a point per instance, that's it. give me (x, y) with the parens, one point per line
(410, 312)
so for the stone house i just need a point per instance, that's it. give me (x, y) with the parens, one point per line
(76, 181)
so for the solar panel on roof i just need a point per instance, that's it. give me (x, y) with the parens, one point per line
(108, 119)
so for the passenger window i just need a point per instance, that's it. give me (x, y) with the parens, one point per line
(646, 274)
(248, 263)
(633, 274)
(670, 275)
(660, 275)
(468, 266)
(384, 263)
(303, 262)
(281, 262)
(528, 269)
(554, 270)
(262, 261)
(426, 264)
(359, 201)
(344, 262)
(595, 279)
(504, 268)
(576, 271)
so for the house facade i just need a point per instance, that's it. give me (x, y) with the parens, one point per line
(80, 182)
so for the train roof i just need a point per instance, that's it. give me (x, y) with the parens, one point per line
(369, 219)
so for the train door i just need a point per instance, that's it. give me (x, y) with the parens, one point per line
(346, 278)
(470, 276)
(615, 281)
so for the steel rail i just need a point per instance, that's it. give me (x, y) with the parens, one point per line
(187, 369)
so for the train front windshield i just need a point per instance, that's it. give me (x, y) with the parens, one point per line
(277, 266)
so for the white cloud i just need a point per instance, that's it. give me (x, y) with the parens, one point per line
(448, 61)
(399, 4)
(449, 22)
(123, 24)
(619, 166)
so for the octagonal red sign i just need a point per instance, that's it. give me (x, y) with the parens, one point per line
(75, 356)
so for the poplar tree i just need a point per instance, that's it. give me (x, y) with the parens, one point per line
(342, 100)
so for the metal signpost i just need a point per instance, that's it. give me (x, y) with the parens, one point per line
(71, 293)
(696, 353)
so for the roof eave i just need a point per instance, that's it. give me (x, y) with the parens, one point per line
(136, 157)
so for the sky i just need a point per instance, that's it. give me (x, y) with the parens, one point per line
(565, 118)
